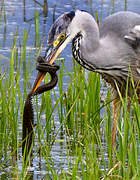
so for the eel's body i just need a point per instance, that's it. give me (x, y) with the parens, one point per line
(28, 121)
(28, 114)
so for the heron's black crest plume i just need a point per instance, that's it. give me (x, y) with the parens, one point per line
(84, 11)
(71, 14)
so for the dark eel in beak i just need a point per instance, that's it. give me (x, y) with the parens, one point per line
(51, 54)
(28, 115)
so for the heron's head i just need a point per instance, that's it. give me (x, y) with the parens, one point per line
(65, 28)
(60, 35)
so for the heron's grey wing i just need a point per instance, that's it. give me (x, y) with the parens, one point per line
(116, 27)
(133, 38)
(119, 24)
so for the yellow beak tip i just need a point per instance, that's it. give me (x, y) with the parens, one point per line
(38, 81)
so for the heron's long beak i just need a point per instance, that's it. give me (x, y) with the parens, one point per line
(38, 80)
(51, 55)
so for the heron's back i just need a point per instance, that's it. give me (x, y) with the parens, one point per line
(120, 24)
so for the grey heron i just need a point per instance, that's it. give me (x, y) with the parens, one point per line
(111, 49)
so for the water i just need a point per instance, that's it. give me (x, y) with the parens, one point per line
(21, 14)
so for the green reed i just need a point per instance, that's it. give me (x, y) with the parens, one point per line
(125, 6)
(37, 40)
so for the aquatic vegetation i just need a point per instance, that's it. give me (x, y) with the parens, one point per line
(84, 132)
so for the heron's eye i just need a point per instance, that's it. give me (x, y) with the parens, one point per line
(59, 39)
(63, 36)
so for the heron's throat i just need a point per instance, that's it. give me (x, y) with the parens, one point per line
(76, 51)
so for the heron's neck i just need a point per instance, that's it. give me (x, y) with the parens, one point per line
(90, 39)
(86, 41)
(84, 24)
